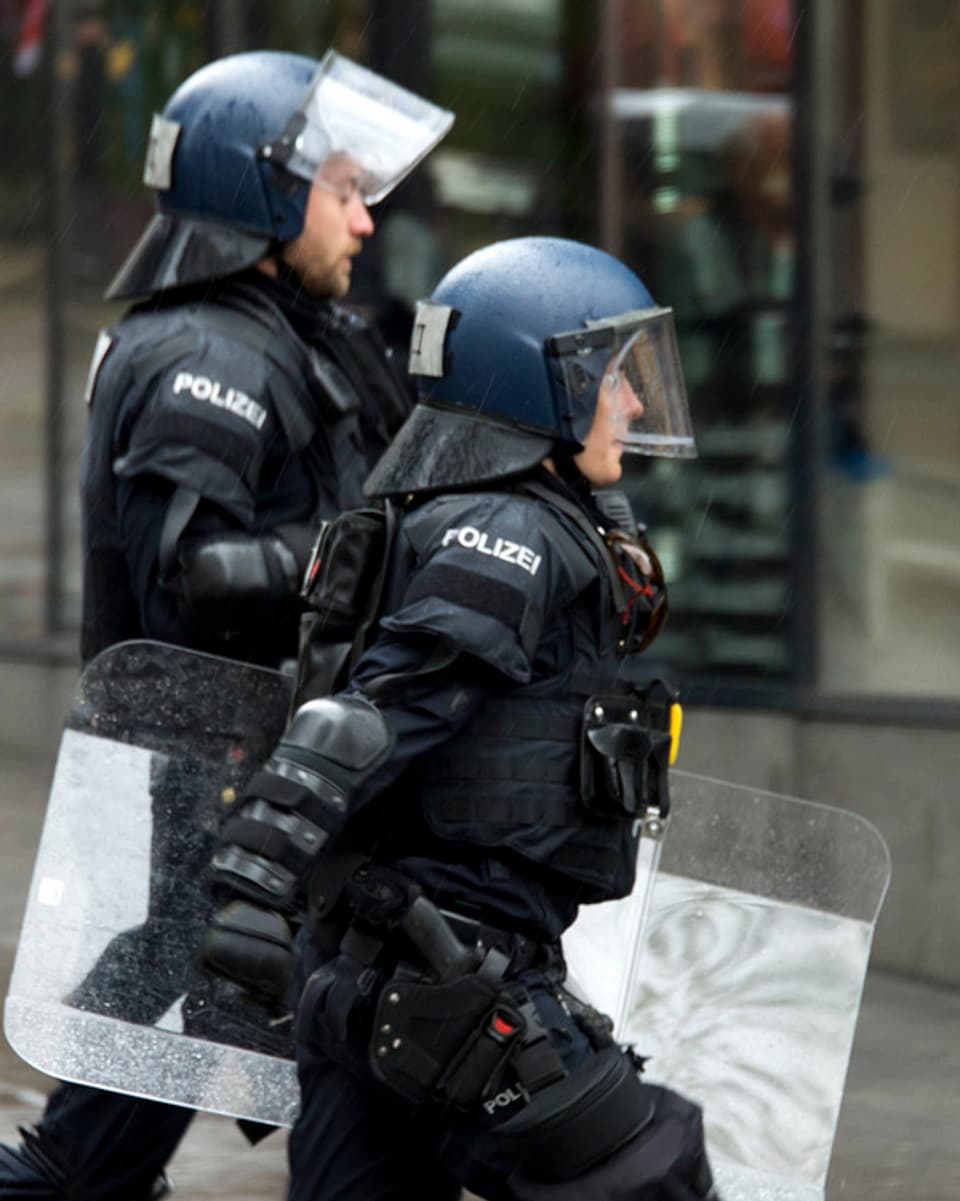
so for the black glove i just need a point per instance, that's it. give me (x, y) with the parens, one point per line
(259, 870)
(251, 946)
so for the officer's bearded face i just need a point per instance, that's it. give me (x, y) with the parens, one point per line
(334, 226)
(617, 406)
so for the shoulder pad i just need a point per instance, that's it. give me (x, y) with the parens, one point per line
(105, 341)
(203, 412)
(487, 568)
(205, 370)
(302, 377)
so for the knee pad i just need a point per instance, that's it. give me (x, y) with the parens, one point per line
(616, 1137)
(583, 1119)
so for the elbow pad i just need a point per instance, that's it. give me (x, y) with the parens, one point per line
(231, 584)
(236, 567)
(291, 807)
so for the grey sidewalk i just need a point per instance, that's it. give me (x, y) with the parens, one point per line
(899, 1135)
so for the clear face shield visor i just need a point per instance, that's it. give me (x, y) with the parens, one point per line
(355, 114)
(631, 364)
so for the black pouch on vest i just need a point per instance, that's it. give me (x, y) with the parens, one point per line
(342, 589)
(625, 752)
(345, 569)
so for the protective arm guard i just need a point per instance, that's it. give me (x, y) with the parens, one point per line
(284, 818)
(300, 797)
(229, 580)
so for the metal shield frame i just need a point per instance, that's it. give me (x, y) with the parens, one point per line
(603, 946)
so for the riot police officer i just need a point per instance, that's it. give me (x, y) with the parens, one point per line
(232, 409)
(485, 768)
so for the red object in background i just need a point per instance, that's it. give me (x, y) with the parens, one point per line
(29, 49)
(766, 27)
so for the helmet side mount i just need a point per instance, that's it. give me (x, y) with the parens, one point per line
(161, 145)
(428, 353)
(282, 149)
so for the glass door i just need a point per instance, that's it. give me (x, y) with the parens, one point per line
(889, 452)
(704, 118)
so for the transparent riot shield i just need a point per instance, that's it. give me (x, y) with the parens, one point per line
(106, 987)
(746, 991)
(603, 946)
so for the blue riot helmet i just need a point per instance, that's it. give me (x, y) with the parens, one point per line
(232, 157)
(510, 354)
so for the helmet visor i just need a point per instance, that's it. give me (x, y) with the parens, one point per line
(633, 361)
(349, 111)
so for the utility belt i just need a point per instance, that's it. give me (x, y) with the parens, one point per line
(448, 1022)
(452, 1024)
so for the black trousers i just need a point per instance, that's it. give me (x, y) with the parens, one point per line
(357, 1140)
(96, 1145)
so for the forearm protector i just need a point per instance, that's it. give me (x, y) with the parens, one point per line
(284, 817)
(291, 807)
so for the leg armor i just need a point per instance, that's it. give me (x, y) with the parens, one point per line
(603, 1135)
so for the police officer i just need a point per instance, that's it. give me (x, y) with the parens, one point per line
(233, 409)
(485, 769)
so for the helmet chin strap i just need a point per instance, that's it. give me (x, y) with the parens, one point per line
(567, 469)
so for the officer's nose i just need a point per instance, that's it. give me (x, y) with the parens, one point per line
(631, 405)
(361, 223)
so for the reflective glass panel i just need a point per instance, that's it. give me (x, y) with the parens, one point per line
(704, 125)
(889, 454)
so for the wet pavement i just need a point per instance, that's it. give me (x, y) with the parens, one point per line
(899, 1134)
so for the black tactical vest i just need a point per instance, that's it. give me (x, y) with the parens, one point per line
(337, 397)
(514, 778)
(522, 777)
